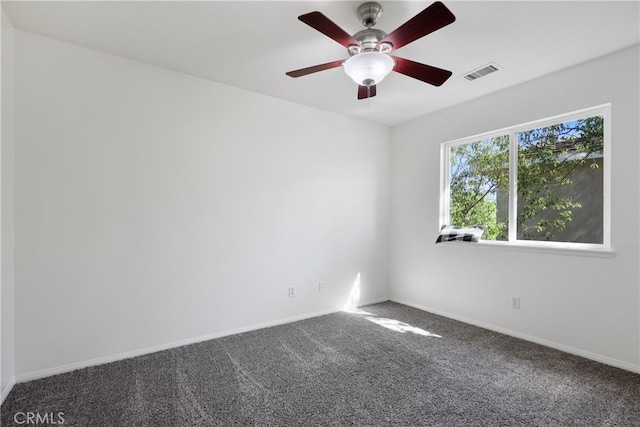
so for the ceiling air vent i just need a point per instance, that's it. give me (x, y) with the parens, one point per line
(482, 71)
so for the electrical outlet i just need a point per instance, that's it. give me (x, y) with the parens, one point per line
(515, 302)
(292, 292)
(320, 287)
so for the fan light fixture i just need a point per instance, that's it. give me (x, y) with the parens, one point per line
(369, 68)
(370, 49)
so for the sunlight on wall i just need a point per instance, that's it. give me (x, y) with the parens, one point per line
(351, 305)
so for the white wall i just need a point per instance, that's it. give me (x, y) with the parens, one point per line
(154, 207)
(586, 305)
(7, 376)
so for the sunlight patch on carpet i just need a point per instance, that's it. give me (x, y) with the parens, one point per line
(398, 326)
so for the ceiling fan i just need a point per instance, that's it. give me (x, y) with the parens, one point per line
(369, 49)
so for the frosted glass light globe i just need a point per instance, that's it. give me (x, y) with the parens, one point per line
(369, 68)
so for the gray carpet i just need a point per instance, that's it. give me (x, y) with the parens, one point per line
(397, 366)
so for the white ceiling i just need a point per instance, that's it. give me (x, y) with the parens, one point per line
(251, 44)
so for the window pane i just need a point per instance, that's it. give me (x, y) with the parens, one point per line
(560, 182)
(478, 186)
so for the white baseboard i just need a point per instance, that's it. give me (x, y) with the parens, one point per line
(373, 301)
(7, 390)
(575, 351)
(29, 376)
(34, 375)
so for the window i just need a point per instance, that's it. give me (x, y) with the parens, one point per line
(543, 183)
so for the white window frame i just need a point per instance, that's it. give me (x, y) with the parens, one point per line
(511, 131)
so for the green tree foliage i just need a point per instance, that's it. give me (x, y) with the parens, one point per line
(477, 171)
(547, 160)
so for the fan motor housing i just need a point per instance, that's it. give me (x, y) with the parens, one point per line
(368, 39)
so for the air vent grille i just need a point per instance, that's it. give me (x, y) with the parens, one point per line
(481, 72)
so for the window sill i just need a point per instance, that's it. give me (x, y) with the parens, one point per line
(535, 248)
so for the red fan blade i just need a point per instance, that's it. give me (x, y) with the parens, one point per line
(428, 74)
(309, 70)
(327, 27)
(366, 91)
(429, 20)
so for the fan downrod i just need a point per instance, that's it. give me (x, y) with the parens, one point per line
(368, 13)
